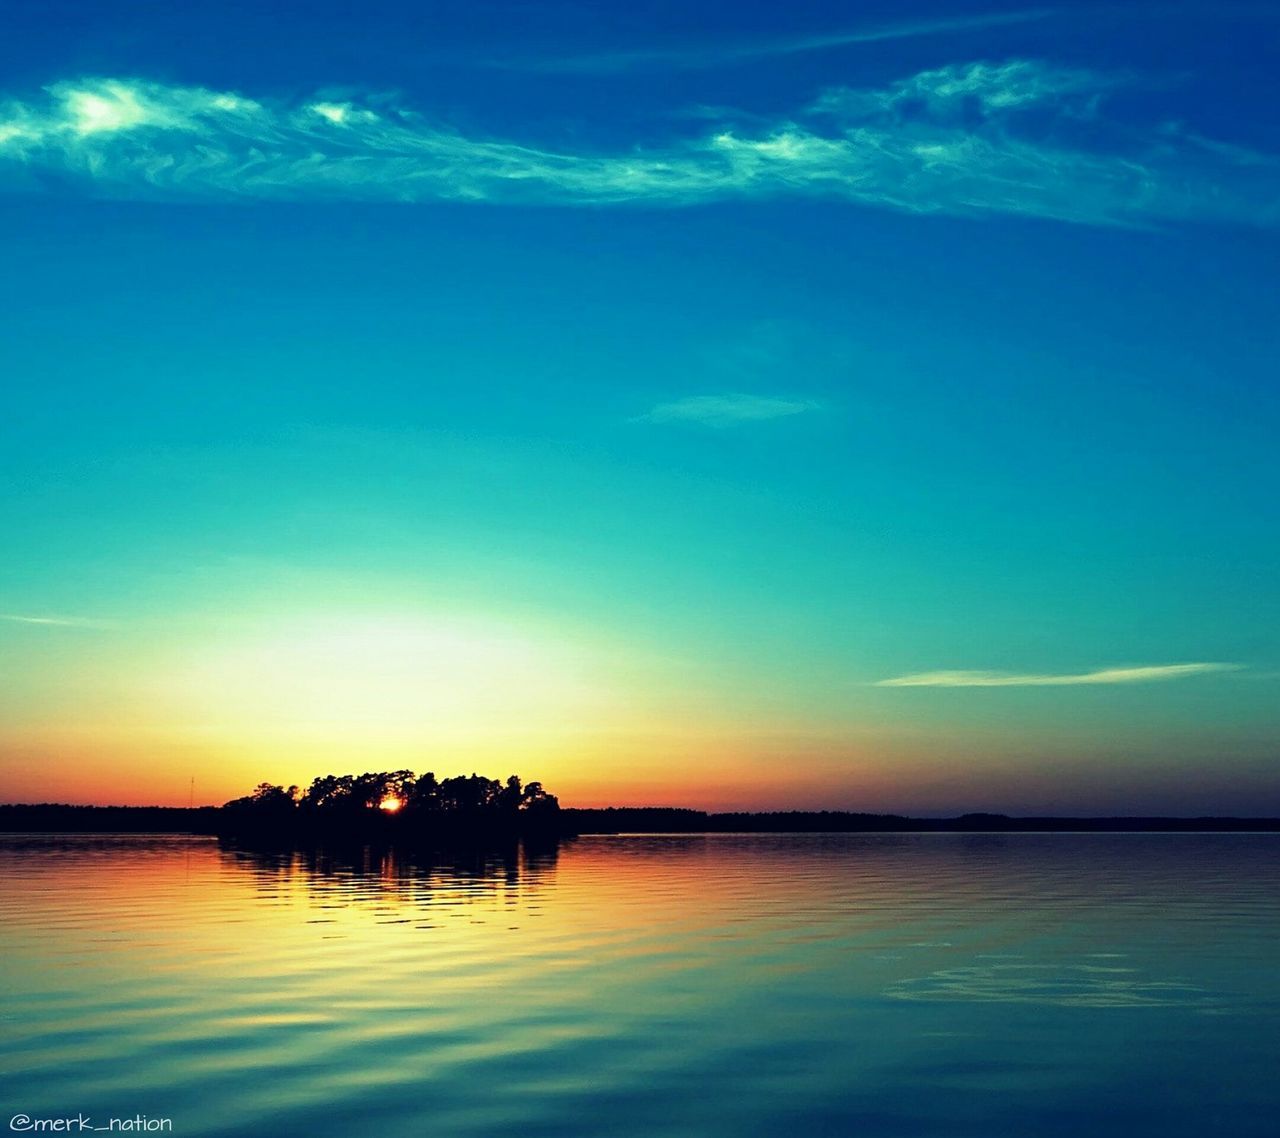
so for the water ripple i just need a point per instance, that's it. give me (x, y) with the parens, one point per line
(954, 985)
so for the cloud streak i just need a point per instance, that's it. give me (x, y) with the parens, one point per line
(1020, 137)
(722, 55)
(55, 621)
(726, 410)
(978, 679)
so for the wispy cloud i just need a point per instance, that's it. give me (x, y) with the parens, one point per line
(966, 90)
(692, 58)
(56, 621)
(726, 410)
(1018, 137)
(966, 679)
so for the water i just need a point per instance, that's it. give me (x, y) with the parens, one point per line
(932, 985)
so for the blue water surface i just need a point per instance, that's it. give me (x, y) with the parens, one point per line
(723, 985)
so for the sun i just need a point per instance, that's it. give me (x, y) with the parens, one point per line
(390, 804)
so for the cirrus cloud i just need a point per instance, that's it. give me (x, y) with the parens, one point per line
(726, 410)
(979, 679)
(685, 58)
(1020, 137)
(56, 621)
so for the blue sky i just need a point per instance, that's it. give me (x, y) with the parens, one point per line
(851, 406)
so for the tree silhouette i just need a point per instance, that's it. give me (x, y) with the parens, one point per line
(398, 802)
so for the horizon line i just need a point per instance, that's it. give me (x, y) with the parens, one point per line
(927, 817)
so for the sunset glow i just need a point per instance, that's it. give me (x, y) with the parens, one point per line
(877, 421)
(359, 679)
(688, 568)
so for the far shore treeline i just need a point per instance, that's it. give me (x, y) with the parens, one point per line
(399, 805)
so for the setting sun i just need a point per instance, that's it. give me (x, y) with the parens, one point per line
(390, 804)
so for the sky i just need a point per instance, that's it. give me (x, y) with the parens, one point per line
(739, 406)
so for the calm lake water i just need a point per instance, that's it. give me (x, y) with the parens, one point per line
(931, 985)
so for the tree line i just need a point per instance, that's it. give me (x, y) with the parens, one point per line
(424, 800)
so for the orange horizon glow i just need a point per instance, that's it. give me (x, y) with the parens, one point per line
(884, 783)
(287, 699)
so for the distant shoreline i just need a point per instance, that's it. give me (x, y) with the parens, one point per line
(61, 818)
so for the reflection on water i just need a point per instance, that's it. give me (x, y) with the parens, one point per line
(721, 985)
(402, 886)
